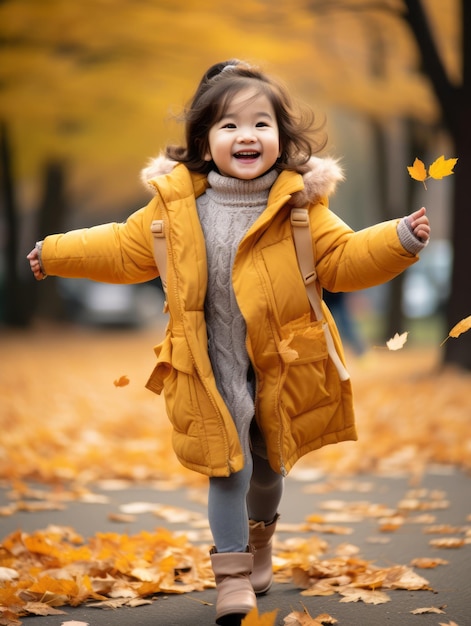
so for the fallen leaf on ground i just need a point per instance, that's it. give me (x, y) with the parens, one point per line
(448, 542)
(431, 609)
(427, 562)
(364, 595)
(254, 619)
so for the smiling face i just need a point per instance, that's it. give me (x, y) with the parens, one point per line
(245, 142)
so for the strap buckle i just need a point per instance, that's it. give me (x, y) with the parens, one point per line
(299, 217)
(157, 228)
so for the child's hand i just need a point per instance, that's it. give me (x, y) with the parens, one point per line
(419, 224)
(33, 258)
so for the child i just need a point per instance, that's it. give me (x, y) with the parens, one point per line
(243, 412)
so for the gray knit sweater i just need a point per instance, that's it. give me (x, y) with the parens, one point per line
(227, 210)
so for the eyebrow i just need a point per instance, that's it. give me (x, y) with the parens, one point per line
(256, 114)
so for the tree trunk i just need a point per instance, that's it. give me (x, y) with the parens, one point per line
(52, 211)
(458, 351)
(16, 307)
(455, 103)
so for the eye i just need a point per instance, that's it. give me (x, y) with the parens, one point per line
(261, 124)
(229, 125)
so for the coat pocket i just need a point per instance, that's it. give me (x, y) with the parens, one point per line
(310, 379)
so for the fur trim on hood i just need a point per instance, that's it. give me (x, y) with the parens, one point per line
(319, 181)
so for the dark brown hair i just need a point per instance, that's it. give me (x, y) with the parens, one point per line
(211, 99)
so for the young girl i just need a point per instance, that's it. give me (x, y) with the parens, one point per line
(243, 412)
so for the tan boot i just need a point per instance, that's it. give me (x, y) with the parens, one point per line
(235, 595)
(260, 538)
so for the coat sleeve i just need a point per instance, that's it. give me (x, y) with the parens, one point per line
(347, 260)
(111, 253)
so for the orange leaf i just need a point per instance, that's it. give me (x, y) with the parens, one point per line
(417, 171)
(287, 354)
(122, 381)
(397, 342)
(254, 619)
(442, 167)
(458, 329)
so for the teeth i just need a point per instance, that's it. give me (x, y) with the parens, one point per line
(246, 154)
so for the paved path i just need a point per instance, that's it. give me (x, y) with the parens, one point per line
(451, 583)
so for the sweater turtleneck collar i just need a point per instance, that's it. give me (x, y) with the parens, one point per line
(237, 192)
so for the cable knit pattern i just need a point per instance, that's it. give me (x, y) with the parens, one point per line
(227, 210)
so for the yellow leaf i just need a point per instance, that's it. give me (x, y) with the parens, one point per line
(287, 354)
(254, 619)
(442, 167)
(458, 329)
(397, 342)
(417, 171)
(122, 381)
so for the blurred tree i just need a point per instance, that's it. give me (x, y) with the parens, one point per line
(93, 82)
(454, 97)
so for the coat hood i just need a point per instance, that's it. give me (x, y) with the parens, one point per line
(319, 181)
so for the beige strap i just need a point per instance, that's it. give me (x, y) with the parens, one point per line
(160, 250)
(305, 253)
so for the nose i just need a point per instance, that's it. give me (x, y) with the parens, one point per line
(246, 136)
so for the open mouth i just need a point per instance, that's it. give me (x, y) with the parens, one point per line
(247, 155)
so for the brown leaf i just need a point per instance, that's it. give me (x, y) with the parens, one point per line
(448, 542)
(351, 594)
(431, 609)
(122, 381)
(40, 608)
(428, 563)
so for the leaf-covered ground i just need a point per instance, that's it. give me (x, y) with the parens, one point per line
(74, 411)
(63, 418)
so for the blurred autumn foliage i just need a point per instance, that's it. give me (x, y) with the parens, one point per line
(89, 90)
(63, 417)
(75, 414)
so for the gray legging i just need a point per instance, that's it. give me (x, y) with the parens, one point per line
(253, 493)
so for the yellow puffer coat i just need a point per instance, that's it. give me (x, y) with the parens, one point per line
(301, 404)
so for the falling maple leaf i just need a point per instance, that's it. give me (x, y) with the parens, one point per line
(303, 618)
(458, 329)
(417, 170)
(122, 381)
(440, 168)
(397, 342)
